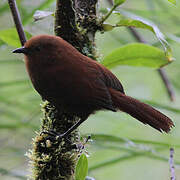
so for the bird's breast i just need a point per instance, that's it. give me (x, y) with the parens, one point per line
(60, 83)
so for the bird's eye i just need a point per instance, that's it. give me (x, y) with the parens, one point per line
(38, 48)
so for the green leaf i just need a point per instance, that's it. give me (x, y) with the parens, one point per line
(172, 1)
(81, 168)
(139, 22)
(118, 2)
(10, 37)
(136, 54)
(133, 23)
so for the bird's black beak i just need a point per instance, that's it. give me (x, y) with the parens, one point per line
(21, 50)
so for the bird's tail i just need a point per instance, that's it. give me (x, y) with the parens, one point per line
(141, 111)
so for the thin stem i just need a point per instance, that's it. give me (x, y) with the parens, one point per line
(136, 35)
(171, 164)
(167, 83)
(17, 21)
(108, 14)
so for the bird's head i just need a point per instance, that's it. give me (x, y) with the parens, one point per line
(44, 48)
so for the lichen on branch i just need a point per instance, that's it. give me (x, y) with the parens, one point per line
(55, 159)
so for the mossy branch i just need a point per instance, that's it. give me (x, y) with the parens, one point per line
(56, 159)
(52, 159)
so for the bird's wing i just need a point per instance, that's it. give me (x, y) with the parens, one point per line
(78, 85)
(110, 79)
(99, 80)
(97, 92)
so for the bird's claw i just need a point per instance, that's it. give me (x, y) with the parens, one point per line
(55, 135)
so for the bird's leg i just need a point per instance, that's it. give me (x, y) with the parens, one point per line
(72, 128)
(65, 134)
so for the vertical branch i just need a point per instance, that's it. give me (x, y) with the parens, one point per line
(65, 25)
(167, 83)
(75, 21)
(17, 21)
(51, 158)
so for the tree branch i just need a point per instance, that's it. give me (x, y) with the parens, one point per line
(167, 83)
(56, 159)
(17, 21)
(65, 25)
(75, 21)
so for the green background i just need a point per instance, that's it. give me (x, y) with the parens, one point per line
(20, 111)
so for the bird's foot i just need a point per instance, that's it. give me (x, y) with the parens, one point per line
(53, 135)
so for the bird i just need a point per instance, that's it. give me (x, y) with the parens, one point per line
(67, 78)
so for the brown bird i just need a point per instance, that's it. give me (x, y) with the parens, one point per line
(65, 77)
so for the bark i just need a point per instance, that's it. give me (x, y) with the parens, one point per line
(75, 21)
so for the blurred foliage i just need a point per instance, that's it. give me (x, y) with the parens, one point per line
(122, 148)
